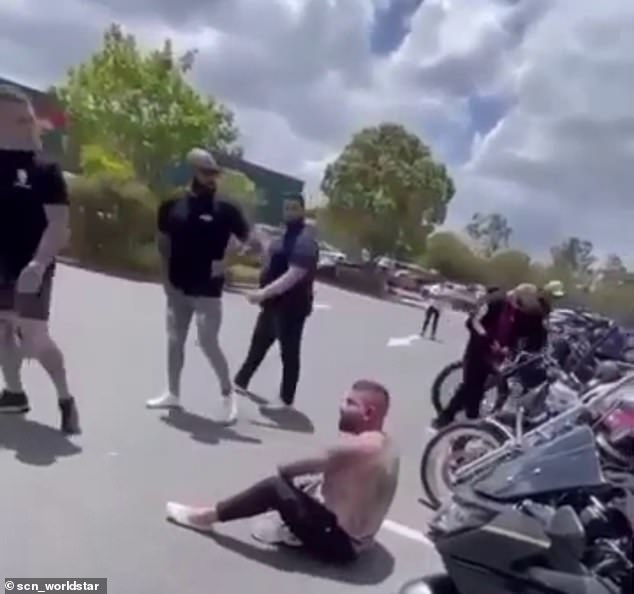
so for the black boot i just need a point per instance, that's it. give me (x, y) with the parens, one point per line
(13, 402)
(69, 417)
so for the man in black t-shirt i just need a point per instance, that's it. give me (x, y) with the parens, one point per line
(194, 232)
(33, 229)
(286, 299)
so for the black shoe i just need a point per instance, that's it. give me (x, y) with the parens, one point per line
(13, 402)
(240, 387)
(440, 422)
(70, 417)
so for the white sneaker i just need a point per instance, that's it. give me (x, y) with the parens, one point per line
(272, 530)
(228, 410)
(167, 400)
(277, 404)
(183, 514)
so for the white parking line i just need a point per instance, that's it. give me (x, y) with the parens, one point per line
(403, 340)
(407, 532)
(322, 306)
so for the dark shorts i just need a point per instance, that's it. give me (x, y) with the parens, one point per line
(33, 307)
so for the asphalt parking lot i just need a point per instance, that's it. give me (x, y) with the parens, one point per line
(93, 506)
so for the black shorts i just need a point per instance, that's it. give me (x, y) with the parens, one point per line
(35, 306)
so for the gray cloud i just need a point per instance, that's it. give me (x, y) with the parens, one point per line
(303, 80)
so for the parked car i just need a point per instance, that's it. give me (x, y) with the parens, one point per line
(329, 258)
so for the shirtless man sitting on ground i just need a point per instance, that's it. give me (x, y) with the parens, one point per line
(336, 515)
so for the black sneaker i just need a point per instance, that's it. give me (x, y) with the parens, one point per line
(240, 387)
(70, 417)
(13, 402)
(440, 422)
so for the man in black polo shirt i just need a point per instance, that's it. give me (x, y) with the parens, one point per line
(33, 229)
(286, 299)
(194, 232)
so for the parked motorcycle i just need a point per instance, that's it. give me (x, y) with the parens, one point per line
(458, 453)
(578, 341)
(548, 519)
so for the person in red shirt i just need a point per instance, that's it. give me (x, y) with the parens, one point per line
(502, 320)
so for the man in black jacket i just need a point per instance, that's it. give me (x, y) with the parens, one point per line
(286, 300)
(499, 324)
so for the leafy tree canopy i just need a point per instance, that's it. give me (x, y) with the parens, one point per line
(491, 231)
(387, 191)
(575, 253)
(241, 188)
(140, 106)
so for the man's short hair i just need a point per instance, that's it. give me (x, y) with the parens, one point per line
(366, 385)
(14, 95)
(203, 159)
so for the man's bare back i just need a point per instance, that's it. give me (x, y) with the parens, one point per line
(359, 482)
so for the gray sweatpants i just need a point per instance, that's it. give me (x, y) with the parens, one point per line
(207, 311)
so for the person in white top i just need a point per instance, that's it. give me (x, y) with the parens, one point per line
(435, 305)
(338, 515)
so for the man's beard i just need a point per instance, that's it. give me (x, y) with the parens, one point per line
(20, 143)
(347, 425)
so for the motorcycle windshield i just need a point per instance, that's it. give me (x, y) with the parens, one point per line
(568, 462)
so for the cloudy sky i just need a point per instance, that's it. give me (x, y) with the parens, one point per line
(530, 102)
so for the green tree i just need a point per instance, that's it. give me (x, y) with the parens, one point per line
(509, 268)
(491, 231)
(574, 255)
(613, 271)
(453, 258)
(387, 191)
(140, 106)
(241, 188)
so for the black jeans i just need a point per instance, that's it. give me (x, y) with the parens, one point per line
(314, 525)
(287, 327)
(469, 395)
(431, 315)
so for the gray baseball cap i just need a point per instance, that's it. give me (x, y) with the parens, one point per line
(202, 159)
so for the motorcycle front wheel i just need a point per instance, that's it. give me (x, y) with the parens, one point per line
(452, 448)
(447, 382)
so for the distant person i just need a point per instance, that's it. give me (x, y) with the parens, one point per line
(194, 231)
(435, 305)
(286, 301)
(333, 503)
(552, 292)
(34, 228)
(500, 323)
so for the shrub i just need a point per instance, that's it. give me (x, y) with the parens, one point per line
(508, 268)
(241, 274)
(453, 258)
(96, 160)
(110, 219)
